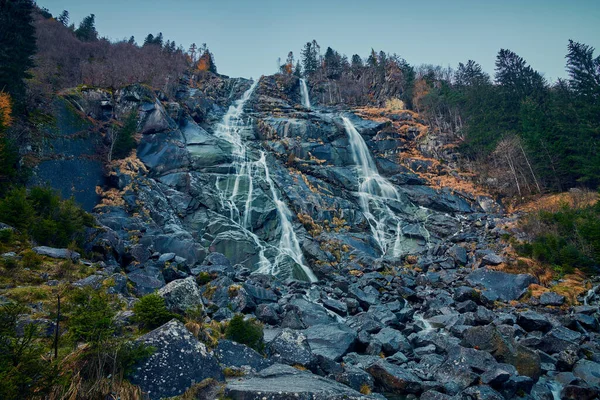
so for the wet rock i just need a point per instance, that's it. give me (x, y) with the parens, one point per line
(332, 341)
(181, 295)
(282, 382)
(179, 360)
(309, 313)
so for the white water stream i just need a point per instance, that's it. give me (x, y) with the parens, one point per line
(238, 196)
(304, 93)
(375, 195)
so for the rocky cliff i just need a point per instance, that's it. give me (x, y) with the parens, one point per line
(375, 267)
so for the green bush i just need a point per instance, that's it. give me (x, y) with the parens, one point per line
(91, 317)
(248, 332)
(151, 312)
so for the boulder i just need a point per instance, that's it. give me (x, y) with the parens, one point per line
(533, 321)
(178, 361)
(235, 355)
(332, 341)
(146, 280)
(292, 348)
(282, 382)
(52, 252)
(552, 299)
(392, 341)
(589, 372)
(395, 379)
(501, 285)
(181, 295)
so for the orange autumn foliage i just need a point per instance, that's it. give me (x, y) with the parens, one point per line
(5, 110)
(205, 63)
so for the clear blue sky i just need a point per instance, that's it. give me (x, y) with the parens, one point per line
(247, 36)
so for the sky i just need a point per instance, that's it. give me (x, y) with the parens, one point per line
(247, 37)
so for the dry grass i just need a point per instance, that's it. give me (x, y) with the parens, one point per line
(575, 198)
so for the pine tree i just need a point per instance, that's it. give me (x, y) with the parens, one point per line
(149, 40)
(309, 59)
(131, 40)
(8, 155)
(63, 18)
(17, 46)
(470, 74)
(158, 40)
(193, 51)
(332, 64)
(87, 29)
(584, 69)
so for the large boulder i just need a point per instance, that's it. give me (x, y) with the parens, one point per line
(292, 348)
(500, 285)
(395, 379)
(52, 252)
(282, 382)
(177, 362)
(589, 372)
(332, 341)
(181, 295)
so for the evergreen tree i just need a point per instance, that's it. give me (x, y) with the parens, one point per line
(149, 40)
(372, 60)
(63, 18)
(309, 59)
(470, 74)
(158, 40)
(131, 40)
(584, 69)
(17, 46)
(125, 141)
(87, 29)
(332, 64)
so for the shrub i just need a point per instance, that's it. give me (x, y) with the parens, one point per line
(91, 317)
(248, 332)
(151, 312)
(30, 259)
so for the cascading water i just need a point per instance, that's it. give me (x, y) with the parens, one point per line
(376, 196)
(237, 193)
(304, 93)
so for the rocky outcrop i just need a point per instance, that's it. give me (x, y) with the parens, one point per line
(178, 360)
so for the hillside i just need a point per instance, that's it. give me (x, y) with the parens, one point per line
(236, 239)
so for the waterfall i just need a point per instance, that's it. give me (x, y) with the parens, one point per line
(237, 192)
(304, 93)
(376, 194)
